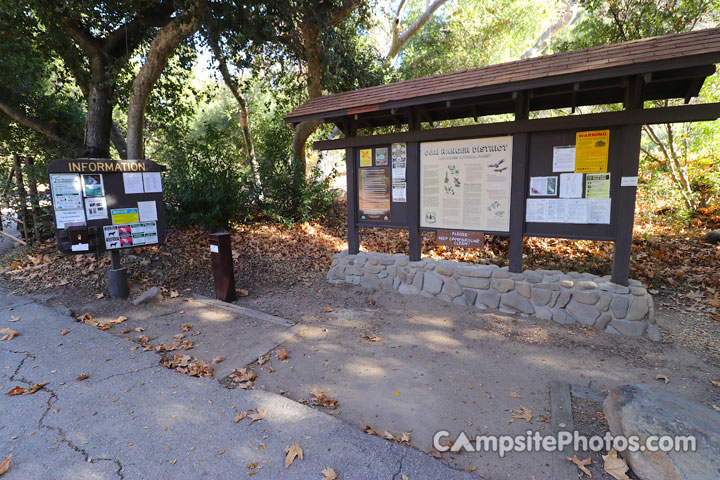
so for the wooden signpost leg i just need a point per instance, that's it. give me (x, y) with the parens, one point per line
(353, 239)
(413, 198)
(625, 208)
(517, 201)
(117, 277)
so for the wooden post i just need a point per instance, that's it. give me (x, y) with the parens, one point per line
(517, 188)
(413, 200)
(517, 201)
(351, 167)
(22, 198)
(34, 201)
(624, 205)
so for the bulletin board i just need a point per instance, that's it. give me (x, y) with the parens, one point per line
(572, 184)
(110, 204)
(382, 194)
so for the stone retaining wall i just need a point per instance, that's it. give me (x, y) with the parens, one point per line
(546, 294)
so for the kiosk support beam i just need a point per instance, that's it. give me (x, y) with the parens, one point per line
(352, 208)
(517, 201)
(413, 197)
(117, 277)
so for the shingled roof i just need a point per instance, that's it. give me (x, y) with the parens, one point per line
(673, 66)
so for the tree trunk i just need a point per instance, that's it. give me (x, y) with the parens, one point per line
(98, 122)
(162, 46)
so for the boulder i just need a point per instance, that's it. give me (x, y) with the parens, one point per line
(712, 237)
(639, 410)
(151, 295)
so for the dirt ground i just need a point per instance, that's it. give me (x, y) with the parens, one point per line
(407, 363)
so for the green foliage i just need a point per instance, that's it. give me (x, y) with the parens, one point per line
(472, 33)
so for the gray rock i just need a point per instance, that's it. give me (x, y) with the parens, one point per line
(406, 289)
(402, 262)
(488, 298)
(396, 283)
(517, 303)
(603, 320)
(651, 310)
(639, 410)
(586, 285)
(554, 298)
(151, 295)
(541, 296)
(532, 277)
(387, 283)
(610, 329)
(586, 297)
(445, 267)
(392, 271)
(604, 302)
(382, 274)
(460, 300)
(474, 282)
(543, 313)
(373, 260)
(566, 283)
(713, 237)
(634, 283)
(503, 285)
(583, 313)
(653, 333)
(371, 281)
(547, 286)
(372, 268)
(501, 274)
(523, 288)
(638, 308)
(386, 260)
(470, 295)
(353, 270)
(479, 271)
(432, 283)
(443, 296)
(619, 306)
(417, 280)
(638, 291)
(631, 329)
(561, 316)
(452, 288)
(563, 299)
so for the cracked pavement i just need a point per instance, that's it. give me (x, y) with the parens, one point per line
(132, 419)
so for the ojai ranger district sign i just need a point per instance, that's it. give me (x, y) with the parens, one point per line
(571, 176)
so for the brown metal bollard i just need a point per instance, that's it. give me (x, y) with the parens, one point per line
(223, 270)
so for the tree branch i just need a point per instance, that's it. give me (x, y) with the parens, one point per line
(83, 38)
(566, 19)
(399, 40)
(44, 128)
(127, 37)
(162, 46)
(117, 139)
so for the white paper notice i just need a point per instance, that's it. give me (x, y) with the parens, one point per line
(64, 217)
(66, 191)
(571, 185)
(535, 211)
(133, 182)
(153, 182)
(96, 208)
(399, 192)
(556, 210)
(564, 159)
(543, 186)
(598, 210)
(147, 211)
(214, 249)
(628, 181)
(577, 211)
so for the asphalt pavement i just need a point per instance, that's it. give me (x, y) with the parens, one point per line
(132, 419)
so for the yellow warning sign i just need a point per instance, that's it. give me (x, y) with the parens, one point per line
(366, 158)
(591, 151)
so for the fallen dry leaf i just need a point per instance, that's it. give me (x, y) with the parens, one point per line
(372, 338)
(5, 465)
(323, 400)
(64, 332)
(663, 377)
(217, 360)
(119, 320)
(9, 333)
(405, 437)
(16, 391)
(13, 318)
(239, 416)
(328, 309)
(524, 413)
(139, 329)
(242, 292)
(256, 416)
(186, 327)
(281, 353)
(389, 436)
(98, 296)
(329, 473)
(291, 453)
(715, 407)
(581, 464)
(514, 394)
(615, 465)
(370, 430)
(35, 387)
(126, 330)
(269, 368)
(715, 382)
(263, 359)
(82, 377)
(174, 294)
(434, 452)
